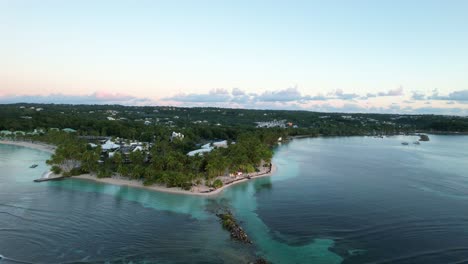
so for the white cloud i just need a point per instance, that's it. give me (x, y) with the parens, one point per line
(94, 98)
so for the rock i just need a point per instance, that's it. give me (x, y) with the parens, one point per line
(423, 138)
(229, 223)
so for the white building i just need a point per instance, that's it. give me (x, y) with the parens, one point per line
(176, 135)
(109, 144)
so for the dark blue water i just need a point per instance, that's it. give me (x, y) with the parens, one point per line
(332, 200)
(380, 201)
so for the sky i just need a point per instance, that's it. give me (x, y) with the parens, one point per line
(341, 56)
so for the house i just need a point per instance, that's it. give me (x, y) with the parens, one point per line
(220, 144)
(199, 151)
(69, 130)
(138, 148)
(5, 133)
(176, 135)
(147, 122)
(274, 123)
(209, 147)
(92, 145)
(110, 118)
(110, 145)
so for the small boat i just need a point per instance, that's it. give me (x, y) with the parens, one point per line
(405, 143)
(33, 166)
(416, 143)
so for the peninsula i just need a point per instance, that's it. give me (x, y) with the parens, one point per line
(185, 150)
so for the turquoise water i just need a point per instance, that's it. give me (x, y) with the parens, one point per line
(332, 200)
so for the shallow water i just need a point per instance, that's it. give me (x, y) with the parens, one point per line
(332, 200)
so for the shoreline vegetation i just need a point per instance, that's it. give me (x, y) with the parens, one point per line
(160, 146)
(200, 190)
(116, 179)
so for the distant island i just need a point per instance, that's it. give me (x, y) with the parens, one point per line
(186, 150)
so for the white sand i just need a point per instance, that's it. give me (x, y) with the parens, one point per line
(196, 190)
(30, 144)
(116, 180)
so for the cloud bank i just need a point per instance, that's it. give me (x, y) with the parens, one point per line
(100, 97)
(460, 96)
(390, 101)
(285, 95)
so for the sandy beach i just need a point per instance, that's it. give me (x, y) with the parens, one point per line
(122, 181)
(196, 190)
(30, 144)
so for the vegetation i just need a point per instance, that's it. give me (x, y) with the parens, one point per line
(210, 123)
(166, 161)
(217, 183)
(56, 169)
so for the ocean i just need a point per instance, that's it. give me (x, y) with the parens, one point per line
(331, 200)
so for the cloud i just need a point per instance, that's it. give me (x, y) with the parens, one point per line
(238, 92)
(418, 96)
(459, 96)
(282, 96)
(339, 94)
(453, 96)
(216, 95)
(319, 97)
(287, 99)
(100, 97)
(286, 95)
(395, 92)
(239, 96)
(392, 92)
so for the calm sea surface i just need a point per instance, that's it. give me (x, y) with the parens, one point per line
(332, 200)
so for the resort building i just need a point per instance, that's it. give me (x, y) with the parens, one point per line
(176, 135)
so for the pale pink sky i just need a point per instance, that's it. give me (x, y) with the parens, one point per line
(307, 55)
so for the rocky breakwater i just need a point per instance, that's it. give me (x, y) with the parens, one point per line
(237, 233)
(423, 137)
(229, 223)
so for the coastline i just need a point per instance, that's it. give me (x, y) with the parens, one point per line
(30, 144)
(174, 190)
(121, 181)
